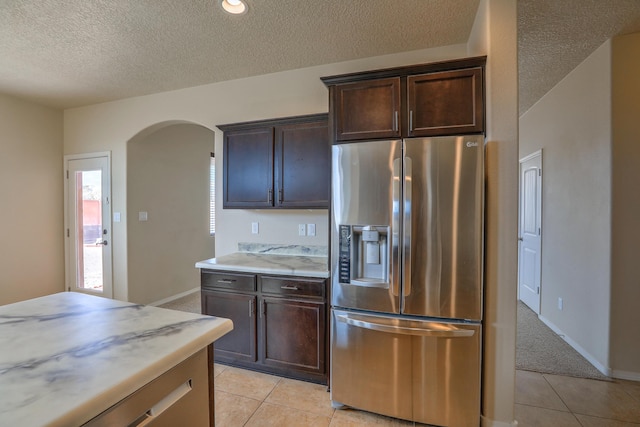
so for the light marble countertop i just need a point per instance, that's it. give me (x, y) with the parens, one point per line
(65, 358)
(266, 263)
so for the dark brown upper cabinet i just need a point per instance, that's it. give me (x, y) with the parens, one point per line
(368, 109)
(443, 98)
(279, 163)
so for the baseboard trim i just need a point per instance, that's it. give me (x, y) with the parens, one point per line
(626, 375)
(175, 297)
(486, 422)
(603, 369)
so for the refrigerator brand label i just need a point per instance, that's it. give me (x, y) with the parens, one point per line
(472, 144)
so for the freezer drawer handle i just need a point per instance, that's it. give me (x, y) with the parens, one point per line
(226, 281)
(450, 332)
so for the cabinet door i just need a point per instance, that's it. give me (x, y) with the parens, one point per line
(240, 343)
(248, 168)
(293, 335)
(302, 165)
(367, 110)
(446, 103)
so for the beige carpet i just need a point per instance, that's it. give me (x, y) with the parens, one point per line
(539, 349)
(190, 303)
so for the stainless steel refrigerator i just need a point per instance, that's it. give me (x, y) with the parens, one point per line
(406, 265)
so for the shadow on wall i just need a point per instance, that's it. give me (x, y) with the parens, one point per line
(167, 213)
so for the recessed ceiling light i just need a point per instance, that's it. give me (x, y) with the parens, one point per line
(235, 7)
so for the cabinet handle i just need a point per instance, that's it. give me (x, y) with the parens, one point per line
(280, 196)
(290, 288)
(262, 308)
(226, 281)
(270, 195)
(411, 120)
(250, 308)
(395, 121)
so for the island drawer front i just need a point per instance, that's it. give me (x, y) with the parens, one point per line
(292, 286)
(180, 393)
(230, 281)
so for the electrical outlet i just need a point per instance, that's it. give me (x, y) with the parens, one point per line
(142, 216)
(311, 229)
(302, 230)
(560, 303)
(254, 228)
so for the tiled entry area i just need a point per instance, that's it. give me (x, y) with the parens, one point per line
(554, 400)
(246, 398)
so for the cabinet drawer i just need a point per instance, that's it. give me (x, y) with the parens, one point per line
(230, 281)
(292, 286)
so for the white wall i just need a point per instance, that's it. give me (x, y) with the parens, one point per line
(168, 177)
(495, 34)
(31, 193)
(572, 125)
(109, 126)
(625, 221)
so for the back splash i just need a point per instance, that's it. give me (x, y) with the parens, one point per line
(279, 249)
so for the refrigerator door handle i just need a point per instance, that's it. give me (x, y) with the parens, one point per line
(395, 227)
(440, 332)
(406, 225)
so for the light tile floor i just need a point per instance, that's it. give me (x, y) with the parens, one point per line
(251, 399)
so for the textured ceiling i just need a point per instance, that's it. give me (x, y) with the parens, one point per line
(67, 53)
(555, 36)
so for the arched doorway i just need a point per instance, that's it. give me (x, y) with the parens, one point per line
(167, 210)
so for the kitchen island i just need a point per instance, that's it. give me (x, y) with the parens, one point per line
(71, 359)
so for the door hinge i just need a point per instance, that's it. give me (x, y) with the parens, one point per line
(539, 231)
(538, 290)
(67, 232)
(539, 172)
(67, 174)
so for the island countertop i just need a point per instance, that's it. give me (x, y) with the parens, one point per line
(293, 265)
(67, 357)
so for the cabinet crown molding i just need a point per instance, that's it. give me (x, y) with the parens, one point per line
(449, 65)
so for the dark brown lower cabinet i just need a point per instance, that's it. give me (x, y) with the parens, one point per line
(240, 344)
(279, 327)
(301, 348)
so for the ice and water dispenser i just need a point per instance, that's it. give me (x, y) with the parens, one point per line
(364, 255)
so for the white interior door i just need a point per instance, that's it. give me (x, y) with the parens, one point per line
(88, 224)
(530, 226)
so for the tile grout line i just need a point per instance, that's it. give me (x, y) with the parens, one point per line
(560, 397)
(262, 402)
(587, 415)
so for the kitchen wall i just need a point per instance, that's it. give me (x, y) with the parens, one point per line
(31, 190)
(495, 34)
(587, 127)
(110, 127)
(168, 177)
(625, 212)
